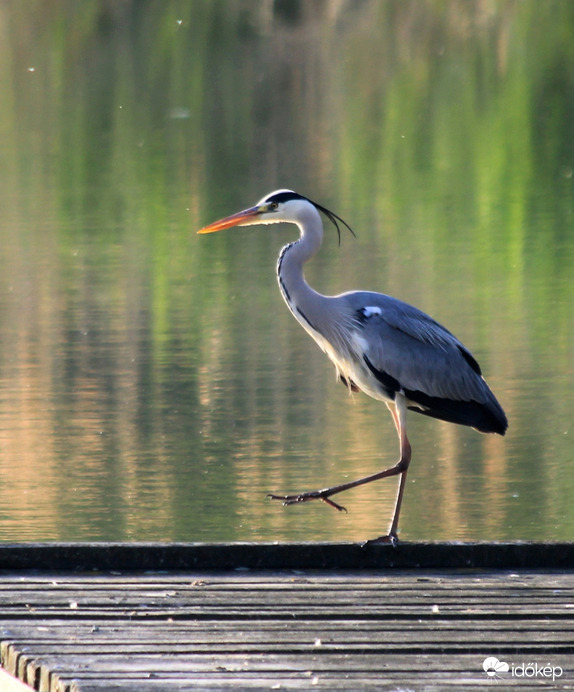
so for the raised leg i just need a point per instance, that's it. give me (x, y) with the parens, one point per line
(398, 411)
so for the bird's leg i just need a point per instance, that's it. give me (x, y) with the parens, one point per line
(399, 414)
(326, 493)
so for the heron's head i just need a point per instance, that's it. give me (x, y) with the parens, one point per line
(276, 207)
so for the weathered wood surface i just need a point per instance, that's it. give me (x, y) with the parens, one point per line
(384, 629)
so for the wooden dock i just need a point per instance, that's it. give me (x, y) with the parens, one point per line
(87, 618)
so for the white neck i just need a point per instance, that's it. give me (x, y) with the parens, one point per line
(299, 296)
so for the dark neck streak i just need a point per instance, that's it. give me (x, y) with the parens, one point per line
(293, 305)
(282, 285)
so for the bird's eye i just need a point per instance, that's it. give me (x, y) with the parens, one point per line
(273, 206)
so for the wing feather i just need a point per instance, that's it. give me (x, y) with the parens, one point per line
(429, 365)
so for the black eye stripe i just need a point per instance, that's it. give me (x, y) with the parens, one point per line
(286, 196)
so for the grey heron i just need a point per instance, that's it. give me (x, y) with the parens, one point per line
(379, 345)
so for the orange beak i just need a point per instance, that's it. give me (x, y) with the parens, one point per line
(233, 220)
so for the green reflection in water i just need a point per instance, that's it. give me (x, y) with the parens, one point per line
(152, 383)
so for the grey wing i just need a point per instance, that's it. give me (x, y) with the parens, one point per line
(407, 351)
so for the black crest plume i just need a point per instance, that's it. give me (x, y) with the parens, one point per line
(333, 218)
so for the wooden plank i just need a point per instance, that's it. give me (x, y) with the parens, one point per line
(258, 630)
(390, 625)
(167, 638)
(289, 671)
(276, 556)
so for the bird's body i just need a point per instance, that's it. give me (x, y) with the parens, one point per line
(379, 345)
(385, 350)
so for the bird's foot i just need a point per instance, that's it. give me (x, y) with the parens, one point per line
(322, 495)
(390, 539)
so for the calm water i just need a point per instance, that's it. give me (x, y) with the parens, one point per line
(153, 386)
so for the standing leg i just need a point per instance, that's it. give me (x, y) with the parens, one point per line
(399, 416)
(399, 413)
